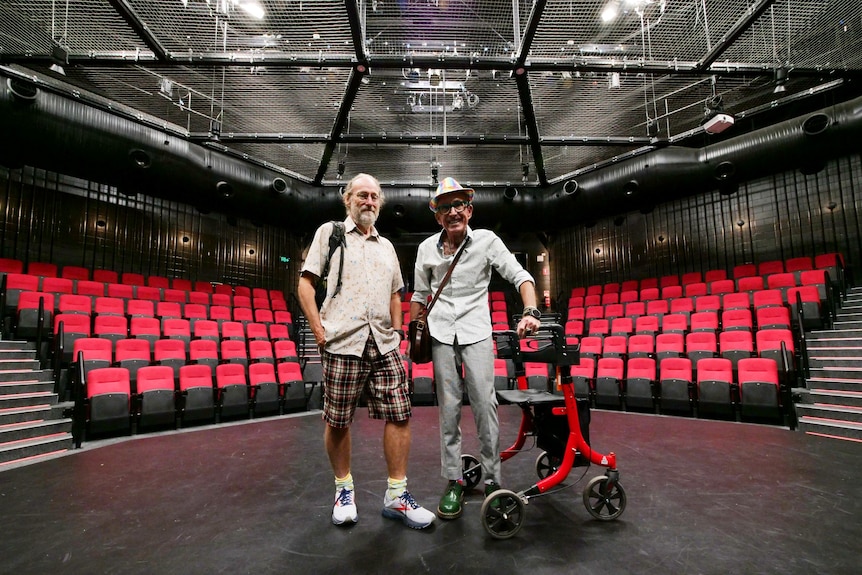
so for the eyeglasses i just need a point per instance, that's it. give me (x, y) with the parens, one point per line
(458, 205)
(365, 196)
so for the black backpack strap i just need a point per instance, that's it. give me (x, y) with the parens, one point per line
(337, 239)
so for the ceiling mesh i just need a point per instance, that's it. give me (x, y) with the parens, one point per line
(495, 92)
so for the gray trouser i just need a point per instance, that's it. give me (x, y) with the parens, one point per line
(478, 362)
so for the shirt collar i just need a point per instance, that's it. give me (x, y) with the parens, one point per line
(442, 237)
(350, 225)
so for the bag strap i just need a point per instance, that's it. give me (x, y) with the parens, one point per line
(338, 228)
(336, 240)
(446, 277)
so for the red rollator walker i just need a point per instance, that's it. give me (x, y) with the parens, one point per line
(560, 425)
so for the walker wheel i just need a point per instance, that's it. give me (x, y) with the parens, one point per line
(602, 503)
(471, 470)
(547, 464)
(503, 512)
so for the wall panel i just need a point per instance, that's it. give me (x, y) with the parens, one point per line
(52, 218)
(779, 217)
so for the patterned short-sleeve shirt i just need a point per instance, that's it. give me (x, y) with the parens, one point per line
(370, 276)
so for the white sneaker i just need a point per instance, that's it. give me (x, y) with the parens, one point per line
(407, 510)
(344, 510)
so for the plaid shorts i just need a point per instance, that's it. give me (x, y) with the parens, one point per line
(383, 377)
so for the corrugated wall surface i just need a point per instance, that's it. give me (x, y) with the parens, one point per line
(98, 227)
(779, 217)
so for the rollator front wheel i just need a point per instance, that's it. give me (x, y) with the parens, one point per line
(604, 503)
(471, 470)
(503, 513)
(547, 465)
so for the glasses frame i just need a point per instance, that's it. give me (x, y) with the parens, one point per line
(458, 205)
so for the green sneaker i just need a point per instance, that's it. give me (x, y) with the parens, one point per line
(450, 503)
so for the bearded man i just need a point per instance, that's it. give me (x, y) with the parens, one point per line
(358, 331)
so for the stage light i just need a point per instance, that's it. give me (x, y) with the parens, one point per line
(610, 11)
(780, 80)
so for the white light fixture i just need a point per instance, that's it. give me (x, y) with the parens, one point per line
(253, 8)
(718, 123)
(610, 11)
(613, 80)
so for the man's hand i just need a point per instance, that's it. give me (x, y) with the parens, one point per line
(528, 326)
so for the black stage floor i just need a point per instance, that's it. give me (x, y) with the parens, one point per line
(703, 497)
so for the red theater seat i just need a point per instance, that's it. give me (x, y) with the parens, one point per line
(609, 382)
(196, 400)
(759, 388)
(264, 389)
(292, 386)
(640, 383)
(156, 396)
(715, 387)
(232, 399)
(675, 384)
(108, 393)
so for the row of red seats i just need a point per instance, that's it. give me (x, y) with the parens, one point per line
(831, 262)
(69, 303)
(197, 393)
(15, 284)
(781, 281)
(145, 320)
(133, 354)
(727, 320)
(76, 273)
(777, 344)
(114, 328)
(714, 386)
(816, 307)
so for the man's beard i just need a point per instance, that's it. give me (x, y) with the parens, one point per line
(366, 218)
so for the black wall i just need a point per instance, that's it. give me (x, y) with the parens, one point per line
(778, 217)
(53, 218)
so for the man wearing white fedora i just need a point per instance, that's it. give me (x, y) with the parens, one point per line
(460, 326)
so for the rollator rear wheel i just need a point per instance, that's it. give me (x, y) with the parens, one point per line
(471, 471)
(547, 465)
(601, 503)
(503, 513)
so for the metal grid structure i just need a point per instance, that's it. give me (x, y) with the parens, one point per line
(492, 92)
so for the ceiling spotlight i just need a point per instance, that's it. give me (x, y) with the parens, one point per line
(780, 80)
(279, 185)
(253, 8)
(225, 189)
(525, 171)
(510, 193)
(435, 172)
(614, 80)
(570, 187)
(341, 167)
(59, 58)
(610, 11)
